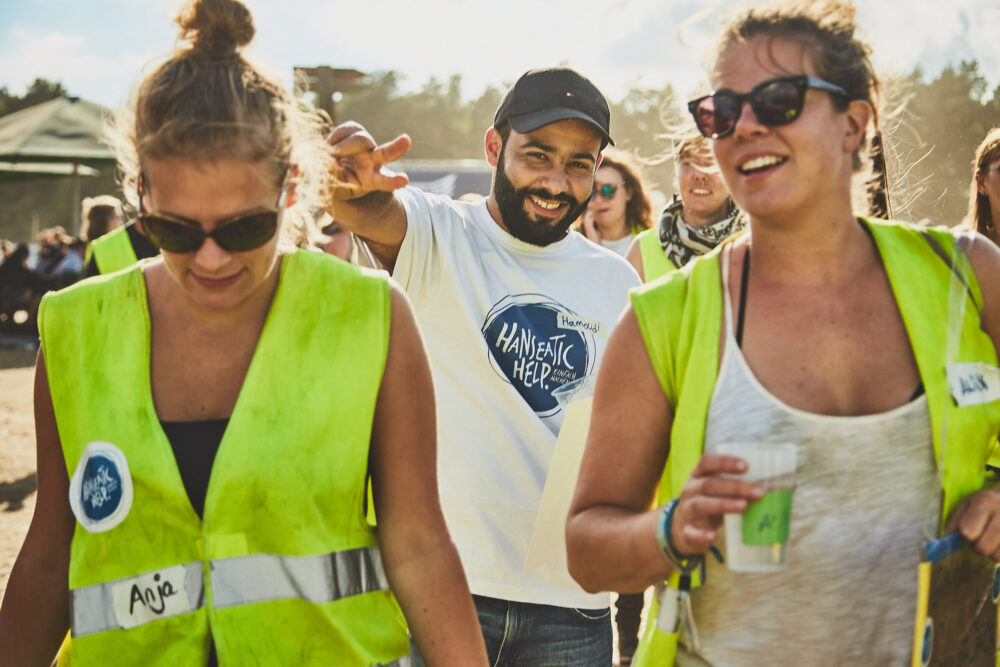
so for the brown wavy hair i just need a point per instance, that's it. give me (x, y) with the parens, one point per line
(980, 213)
(638, 210)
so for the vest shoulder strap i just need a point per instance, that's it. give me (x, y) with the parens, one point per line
(654, 260)
(114, 251)
(680, 318)
(955, 259)
(80, 325)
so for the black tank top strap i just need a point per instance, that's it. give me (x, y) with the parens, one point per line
(741, 313)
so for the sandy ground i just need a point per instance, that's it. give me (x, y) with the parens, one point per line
(17, 455)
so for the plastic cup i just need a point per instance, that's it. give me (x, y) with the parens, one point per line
(756, 539)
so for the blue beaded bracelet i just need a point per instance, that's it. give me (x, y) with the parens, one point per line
(682, 565)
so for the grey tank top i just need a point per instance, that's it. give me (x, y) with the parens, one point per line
(867, 494)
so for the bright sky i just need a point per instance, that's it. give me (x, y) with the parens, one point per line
(99, 48)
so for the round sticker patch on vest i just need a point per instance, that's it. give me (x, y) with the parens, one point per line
(100, 492)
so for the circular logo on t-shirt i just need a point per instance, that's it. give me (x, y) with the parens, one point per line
(538, 345)
(100, 492)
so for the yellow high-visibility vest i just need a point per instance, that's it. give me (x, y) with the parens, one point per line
(654, 260)
(283, 567)
(113, 251)
(681, 319)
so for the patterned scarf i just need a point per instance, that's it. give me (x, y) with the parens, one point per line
(682, 243)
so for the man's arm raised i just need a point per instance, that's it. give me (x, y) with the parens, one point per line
(360, 192)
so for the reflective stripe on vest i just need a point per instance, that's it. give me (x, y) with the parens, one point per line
(92, 608)
(242, 580)
(318, 579)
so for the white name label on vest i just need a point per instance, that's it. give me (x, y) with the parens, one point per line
(150, 596)
(973, 383)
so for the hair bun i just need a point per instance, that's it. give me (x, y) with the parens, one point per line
(218, 27)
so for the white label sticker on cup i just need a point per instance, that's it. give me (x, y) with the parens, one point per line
(150, 596)
(973, 383)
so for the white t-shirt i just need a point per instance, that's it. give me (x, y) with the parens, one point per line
(505, 322)
(619, 246)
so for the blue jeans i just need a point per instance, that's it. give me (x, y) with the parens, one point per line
(521, 634)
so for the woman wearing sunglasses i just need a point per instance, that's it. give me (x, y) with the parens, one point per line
(619, 208)
(818, 328)
(701, 215)
(214, 416)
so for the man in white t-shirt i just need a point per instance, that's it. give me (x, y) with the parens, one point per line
(512, 306)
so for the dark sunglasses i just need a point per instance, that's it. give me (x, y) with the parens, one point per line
(607, 191)
(242, 232)
(774, 102)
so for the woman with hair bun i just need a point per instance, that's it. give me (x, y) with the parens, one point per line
(819, 328)
(230, 412)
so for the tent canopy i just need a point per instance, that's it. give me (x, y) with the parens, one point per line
(64, 133)
(66, 129)
(32, 169)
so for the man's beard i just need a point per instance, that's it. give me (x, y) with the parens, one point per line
(519, 224)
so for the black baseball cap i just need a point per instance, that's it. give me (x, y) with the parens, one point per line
(544, 96)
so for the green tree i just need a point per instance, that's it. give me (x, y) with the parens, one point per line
(438, 119)
(374, 105)
(639, 123)
(480, 113)
(435, 119)
(41, 90)
(944, 121)
(932, 140)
